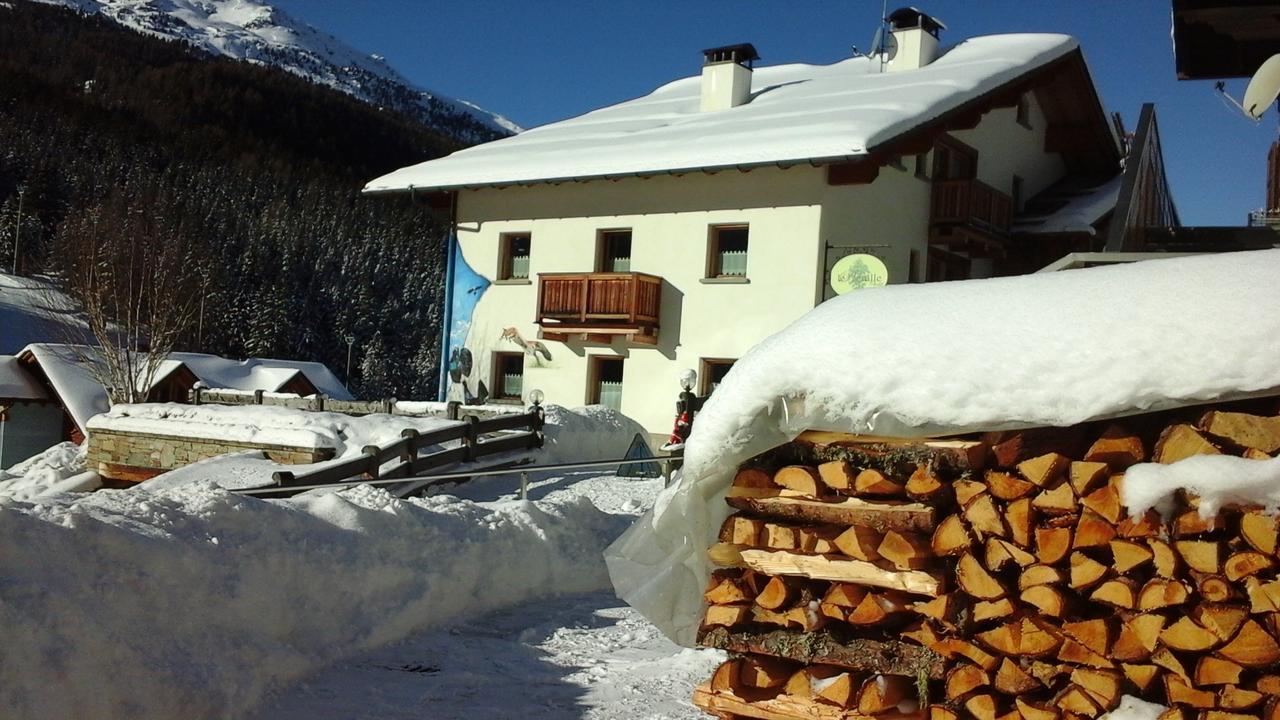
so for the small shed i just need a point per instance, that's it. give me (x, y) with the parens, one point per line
(30, 418)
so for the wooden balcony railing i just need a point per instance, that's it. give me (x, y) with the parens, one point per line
(599, 304)
(973, 204)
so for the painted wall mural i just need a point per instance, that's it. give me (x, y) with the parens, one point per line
(532, 348)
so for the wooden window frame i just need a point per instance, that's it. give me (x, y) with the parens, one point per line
(602, 246)
(495, 374)
(704, 372)
(593, 375)
(505, 258)
(713, 271)
(951, 145)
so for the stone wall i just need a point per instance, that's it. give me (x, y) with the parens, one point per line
(133, 456)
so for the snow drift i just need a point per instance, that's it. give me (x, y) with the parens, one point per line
(195, 602)
(943, 358)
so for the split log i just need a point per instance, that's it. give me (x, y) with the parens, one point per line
(1011, 679)
(1019, 516)
(964, 679)
(1039, 575)
(877, 608)
(1058, 501)
(753, 477)
(741, 530)
(1105, 501)
(1164, 558)
(873, 482)
(1247, 431)
(967, 490)
(801, 478)
(1146, 526)
(763, 671)
(905, 551)
(780, 592)
(889, 657)
(837, 474)
(1093, 530)
(1045, 470)
(1252, 646)
(881, 516)
(1179, 692)
(844, 595)
(1159, 593)
(1026, 638)
(1073, 699)
(1245, 564)
(999, 552)
(943, 608)
(951, 647)
(1200, 555)
(984, 518)
(1118, 448)
(779, 537)
(1007, 487)
(924, 484)
(981, 707)
(992, 609)
(1259, 530)
(1052, 544)
(1085, 477)
(1049, 600)
(1238, 698)
(1102, 686)
(726, 615)
(859, 543)
(1215, 588)
(974, 579)
(1117, 592)
(1085, 571)
(881, 693)
(1179, 442)
(1034, 711)
(1142, 676)
(1216, 671)
(951, 537)
(1185, 635)
(1138, 637)
(778, 707)
(802, 682)
(1128, 555)
(823, 567)
(724, 588)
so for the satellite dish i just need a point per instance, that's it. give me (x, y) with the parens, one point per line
(1263, 88)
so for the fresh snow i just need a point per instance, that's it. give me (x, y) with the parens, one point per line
(942, 358)
(196, 602)
(16, 383)
(1218, 480)
(1082, 211)
(60, 469)
(797, 113)
(1132, 708)
(31, 310)
(254, 31)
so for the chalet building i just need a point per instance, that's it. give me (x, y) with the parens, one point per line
(597, 257)
(30, 418)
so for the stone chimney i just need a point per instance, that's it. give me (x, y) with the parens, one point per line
(914, 39)
(726, 76)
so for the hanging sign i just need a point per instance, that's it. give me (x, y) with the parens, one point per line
(852, 272)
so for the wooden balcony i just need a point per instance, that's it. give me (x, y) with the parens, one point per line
(969, 211)
(596, 307)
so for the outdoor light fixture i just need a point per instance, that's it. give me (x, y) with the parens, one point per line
(688, 378)
(536, 396)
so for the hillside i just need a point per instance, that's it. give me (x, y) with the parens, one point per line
(108, 130)
(255, 32)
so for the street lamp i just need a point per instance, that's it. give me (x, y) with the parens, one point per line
(350, 341)
(688, 378)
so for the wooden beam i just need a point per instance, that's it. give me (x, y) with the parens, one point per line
(781, 707)
(881, 516)
(863, 172)
(825, 567)
(887, 657)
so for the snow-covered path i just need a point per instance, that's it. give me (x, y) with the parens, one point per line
(584, 656)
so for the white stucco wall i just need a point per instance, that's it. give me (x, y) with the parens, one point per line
(792, 214)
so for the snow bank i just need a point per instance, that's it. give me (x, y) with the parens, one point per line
(265, 424)
(1218, 480)
(943, 358)
(195, 602)
(1132, 708)
(59, 469)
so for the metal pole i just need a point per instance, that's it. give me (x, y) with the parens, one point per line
(17, 229)
(350, 341)
(524, 486)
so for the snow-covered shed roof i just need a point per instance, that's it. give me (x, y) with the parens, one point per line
(798, 113)
(931, 359)
(16, 383)
(72, 382)
(261, 373)
(1081, 212)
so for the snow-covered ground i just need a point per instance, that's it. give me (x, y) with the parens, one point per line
(60, 469)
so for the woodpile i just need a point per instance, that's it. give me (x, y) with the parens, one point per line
(994, 577)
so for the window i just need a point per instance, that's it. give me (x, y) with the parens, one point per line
(728, 246)
(922, 166)
(1024, 111)
(613, 251)
(713, 371)
(514, 257)
(606, 382)
(508, 375)
(953, 160)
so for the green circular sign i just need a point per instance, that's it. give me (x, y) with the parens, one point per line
(852, 272)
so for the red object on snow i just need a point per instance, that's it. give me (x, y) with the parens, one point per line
(679, 433)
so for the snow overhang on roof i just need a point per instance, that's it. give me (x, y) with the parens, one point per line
(1081, 213)
(18, 384)
(797, 114)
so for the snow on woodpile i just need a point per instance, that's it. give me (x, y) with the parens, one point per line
(797, 113)
(945, 358)
(196, 602)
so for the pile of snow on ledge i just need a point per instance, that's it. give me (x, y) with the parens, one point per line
(195, 602)
(59, 469)
(942, 358)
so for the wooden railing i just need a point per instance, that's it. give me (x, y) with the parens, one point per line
(475, 438)
(602, 299)
(971, 202)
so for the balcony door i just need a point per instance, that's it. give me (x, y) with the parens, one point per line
(613, 251)
(953, 160)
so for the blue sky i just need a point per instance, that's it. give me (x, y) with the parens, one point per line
(538, 61)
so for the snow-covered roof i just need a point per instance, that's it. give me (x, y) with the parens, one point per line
(1051, 349)
(1081, 213)
(32, 310)
(84, 397)
(16, 383)
(265, 374)
(797, 113)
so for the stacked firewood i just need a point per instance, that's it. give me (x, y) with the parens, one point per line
(998, 577)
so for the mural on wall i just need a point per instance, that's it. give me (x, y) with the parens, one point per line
(532, 348)
(463, 382)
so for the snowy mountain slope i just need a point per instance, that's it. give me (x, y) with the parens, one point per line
(254, 31)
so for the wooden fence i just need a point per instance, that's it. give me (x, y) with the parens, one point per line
(321, 403)
(476, 437)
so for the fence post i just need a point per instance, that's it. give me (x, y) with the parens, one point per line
(410, 452)
(524, 486)
(282, 477)
(371, 457)
(195, 394)
(319, 402)
(257, 397)
(451, 409)
(471, 439)
(387, 405)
